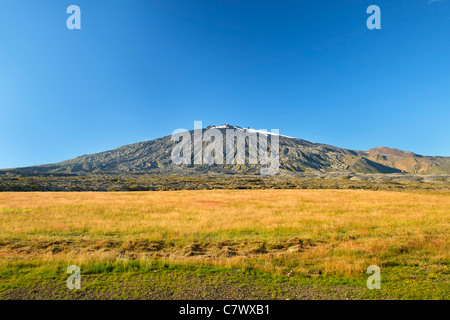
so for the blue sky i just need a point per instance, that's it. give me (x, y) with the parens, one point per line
(138, 70)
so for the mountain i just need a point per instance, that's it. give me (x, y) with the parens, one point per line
(296, 155)
(409, 161)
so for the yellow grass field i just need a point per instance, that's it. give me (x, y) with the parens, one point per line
(284, 232)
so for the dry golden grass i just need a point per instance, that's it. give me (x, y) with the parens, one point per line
(347, 229)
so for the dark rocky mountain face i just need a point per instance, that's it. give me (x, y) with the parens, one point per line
(295, 155)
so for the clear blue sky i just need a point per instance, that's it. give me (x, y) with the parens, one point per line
(139, 69)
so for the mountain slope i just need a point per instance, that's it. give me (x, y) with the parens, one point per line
(408, 161)
(296, 155)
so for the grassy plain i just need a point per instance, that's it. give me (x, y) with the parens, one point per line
(281, 244)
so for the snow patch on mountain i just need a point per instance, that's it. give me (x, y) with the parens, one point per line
(227, 126)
